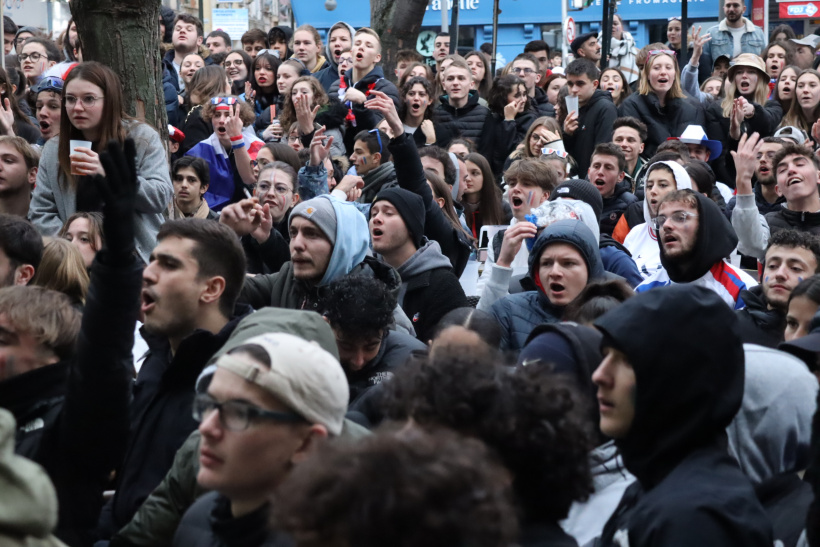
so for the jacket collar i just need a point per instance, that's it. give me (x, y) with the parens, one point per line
(748, 26)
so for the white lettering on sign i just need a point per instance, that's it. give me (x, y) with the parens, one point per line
(435, 5)
(643, 2)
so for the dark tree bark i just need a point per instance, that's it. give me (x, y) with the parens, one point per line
(398, 23)
(124, 35)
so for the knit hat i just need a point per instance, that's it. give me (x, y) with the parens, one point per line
(582, 190)
(320, 212)
(410, 207)
(302, 375)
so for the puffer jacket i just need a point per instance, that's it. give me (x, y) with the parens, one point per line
(662, 122)
(786, 219)
(757, 323)
(614, 207)
(595, 121)
(518, 314)
(467, 120)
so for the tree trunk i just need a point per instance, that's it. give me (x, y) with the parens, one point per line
(124, 35)
(398, 23)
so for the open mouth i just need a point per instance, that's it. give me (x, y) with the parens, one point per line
(556, 287)
(764, 171)
(516, 201)
(610, 88)
(669, 239)
(221, 130)
(600, 183)
(377, 232)
(663, 81)
(44, 125)
(148, 301)
(786, 89)
(793, 180)
(262, 80)
(337, 53)
(359, 56)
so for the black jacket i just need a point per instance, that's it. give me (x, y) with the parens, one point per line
(786, 219)
(72, 417)
(786, 499)
(662, 122)
(467, 120)
(161, 412)
(500, 137)
(541, 104)
(614, 207)
(267, 257)
(209, 523)
(454, 242)
(689, 490)
(758, 324)
(595, 120)
(445, 133)
(195, 129)
(395, 350)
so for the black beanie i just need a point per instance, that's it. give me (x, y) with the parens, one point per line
(582, 190)
(411, 208)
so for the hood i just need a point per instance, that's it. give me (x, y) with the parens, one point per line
(352, 240)
(599, 95)
(716, 239)
(575, 233)
(288, 32)
(688, 402)
(28, 506)
(168, 15)
(682, 181)
(328, 53)
(427, 257)
(584, 213)
(772, 431)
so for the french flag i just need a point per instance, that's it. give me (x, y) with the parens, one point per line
(221, 189)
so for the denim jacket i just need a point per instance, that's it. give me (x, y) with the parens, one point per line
(722, 43)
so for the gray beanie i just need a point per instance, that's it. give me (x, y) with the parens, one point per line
(319, 211)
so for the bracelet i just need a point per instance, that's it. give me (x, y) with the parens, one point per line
(237, 138)
(238, 145)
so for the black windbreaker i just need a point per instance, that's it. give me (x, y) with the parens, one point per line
(688, 360)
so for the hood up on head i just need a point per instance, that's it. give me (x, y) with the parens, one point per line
(685, 349)
(572, 232)
(682, 181)
(331, 60)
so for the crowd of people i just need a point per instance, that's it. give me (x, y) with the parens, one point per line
(548, 305)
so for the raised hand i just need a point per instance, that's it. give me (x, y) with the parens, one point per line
(118, 189)
(319, 147)
(386, 107)
(746, 162)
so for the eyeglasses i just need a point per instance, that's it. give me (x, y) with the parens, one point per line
(88, 101)
(519, 70)
(238, 415)
(661, 52)
(678, 218)
(33, 56)
(540, 138)
(224, 100)
(378, 137)
(554, 152)
(345, 60)
(235, 62)
(51, 83)
(293, 138)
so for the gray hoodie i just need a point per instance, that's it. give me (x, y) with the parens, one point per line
(428, 257)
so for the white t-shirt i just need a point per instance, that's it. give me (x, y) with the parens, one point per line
(409, 129)
(736, 34)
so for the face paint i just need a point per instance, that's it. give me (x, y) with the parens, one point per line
(529, 200)
(799, 279)
(364, 161)
(766, 279)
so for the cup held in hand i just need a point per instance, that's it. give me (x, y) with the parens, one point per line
(73, 146)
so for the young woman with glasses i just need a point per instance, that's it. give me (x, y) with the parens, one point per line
(93, 111)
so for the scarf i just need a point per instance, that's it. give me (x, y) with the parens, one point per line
(175, 214)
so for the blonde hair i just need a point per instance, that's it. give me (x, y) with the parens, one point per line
(370, 32)
(62, 269)
(795, 116)
(761, 93)
(675, 92)
(46, 315)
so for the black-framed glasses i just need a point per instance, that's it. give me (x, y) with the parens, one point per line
(678, 218)
(238, 415)
(35, 57)
(49, 83)
(378, 138)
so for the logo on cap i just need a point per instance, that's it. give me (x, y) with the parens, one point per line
(310, 210)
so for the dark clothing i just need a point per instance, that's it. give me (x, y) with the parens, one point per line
(541, 104)
(395, 350)
(454, 243)
(27, 131)
(210, 523)
(444, 134)
(786, 219)
(383, 176)
(72, 417)
(171, 96)
(758, 324)
(614, 207)
(267, 257)
(500, 137)
(468, 120)
(595, 121)
(662, 122)
(195, 129)
(618, 260)
(786, 499)
(763, 206)
(544, 534)
(689, 490)
(161, 413)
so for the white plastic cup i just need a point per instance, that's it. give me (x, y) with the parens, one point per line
(78, 144)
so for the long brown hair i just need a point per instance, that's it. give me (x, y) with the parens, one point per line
(113, 114)
(486, 82)
(441, 190)
(795, 116)
(644, 88)
(7, 92)
(288, 115)
(492, 212)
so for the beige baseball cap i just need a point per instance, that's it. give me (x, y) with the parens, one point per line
(303, 376)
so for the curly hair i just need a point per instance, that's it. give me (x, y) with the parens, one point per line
(405, 89)
(405, 489)
(320, 98)
(503, 86)
(535, 421)
(797, 239)
(596, 299)
(245, 110)
(360, 306)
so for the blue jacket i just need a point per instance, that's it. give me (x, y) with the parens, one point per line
(722, 43)
(519, 313)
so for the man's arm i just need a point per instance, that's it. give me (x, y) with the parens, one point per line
(751, 228)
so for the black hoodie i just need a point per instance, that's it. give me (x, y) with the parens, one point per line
(758, 324)
(689, 490)
(716, 239)
(595, 121)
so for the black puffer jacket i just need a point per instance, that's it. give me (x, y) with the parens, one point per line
(786, 219)
(662, 122)
(467, 120)
(595, 121)
(72, 417)
(689, 490)
(541, 104)
(502, 136)
(757, 323)
(614, 207)
(161, 413)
